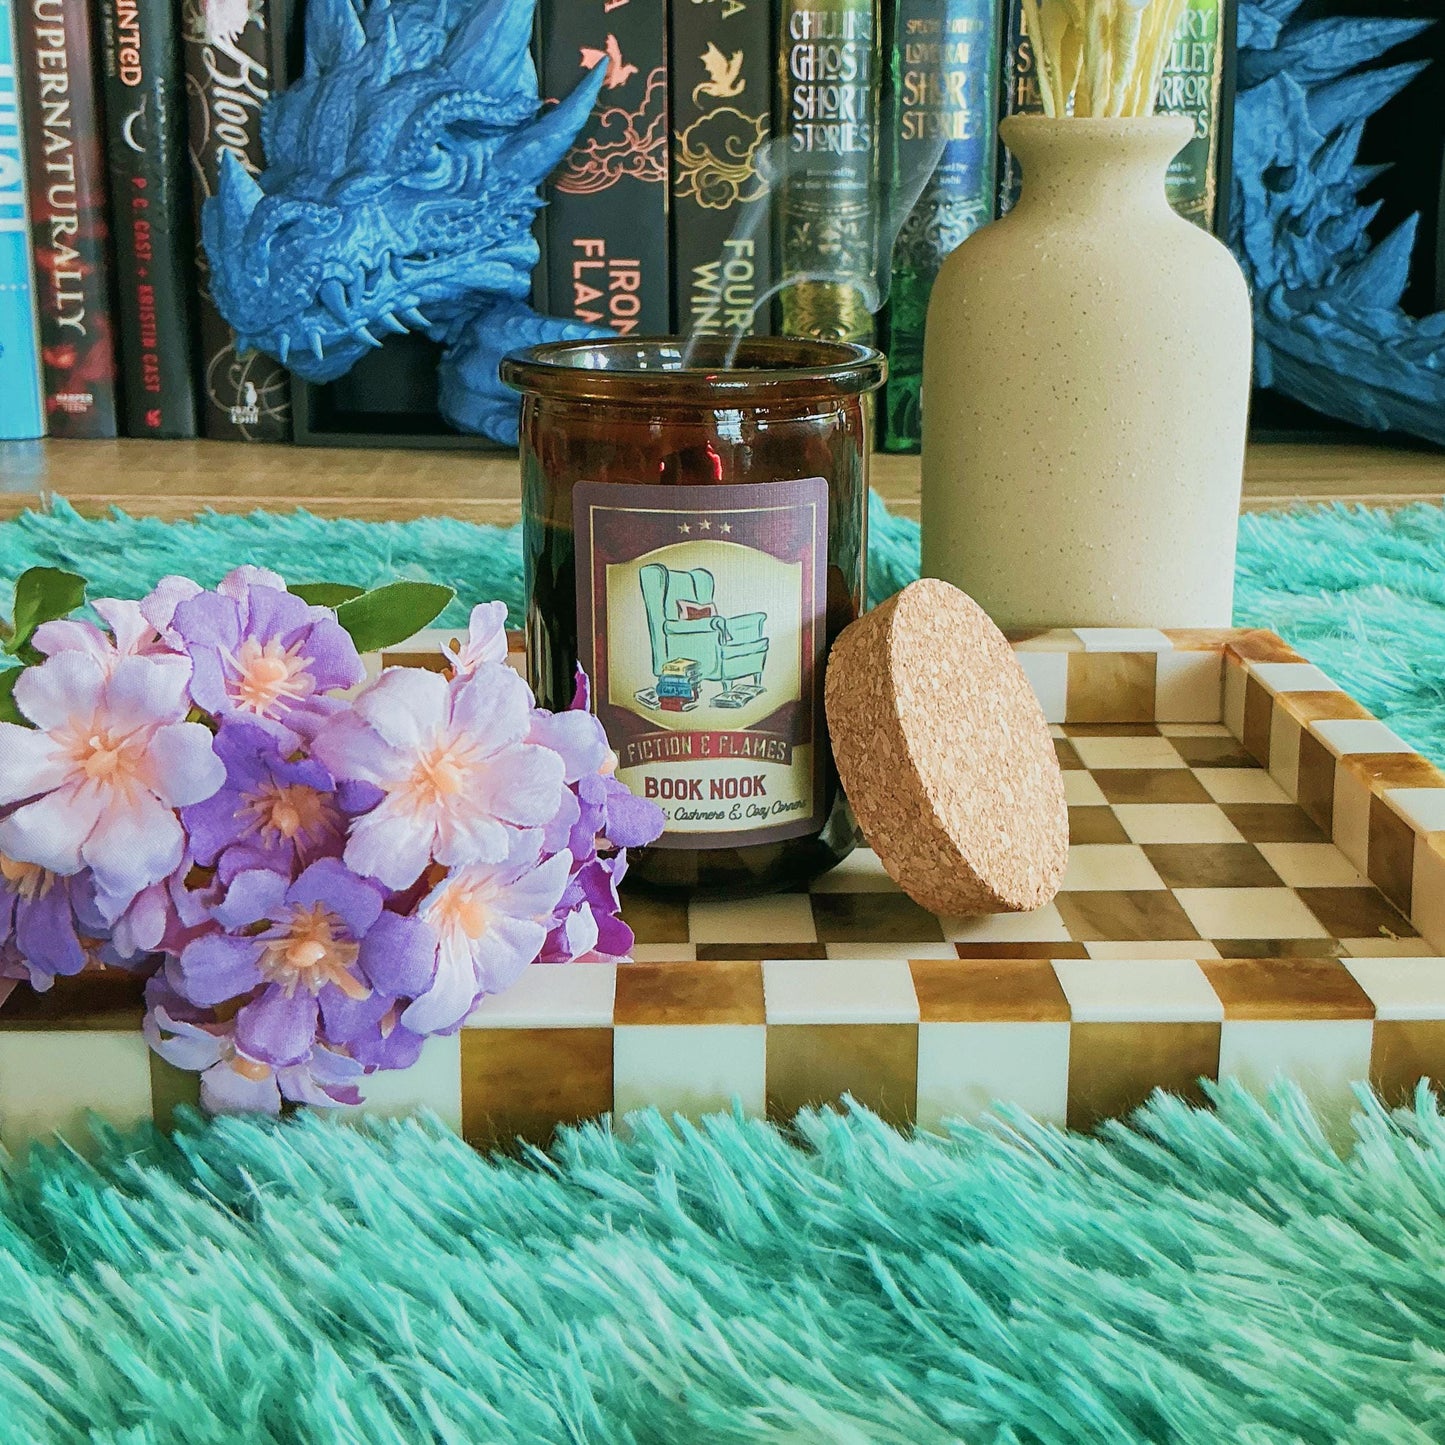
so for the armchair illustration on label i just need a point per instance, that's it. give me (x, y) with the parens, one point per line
(692, 643)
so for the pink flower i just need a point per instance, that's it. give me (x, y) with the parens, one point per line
(159, 606)
(486, 639)
(131, 635)
(459, 781)
(492, 921)
(100, 777)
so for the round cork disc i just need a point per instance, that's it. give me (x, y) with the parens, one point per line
(945, 756)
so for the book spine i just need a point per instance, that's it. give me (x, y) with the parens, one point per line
(721, 125)
(229, 76)
(1197, 82)
(607, 212)
(828, 108)
(22, 409)
(1018, 95)
(151, 216)
(68, 215)
(1193, 85)
(943, 84)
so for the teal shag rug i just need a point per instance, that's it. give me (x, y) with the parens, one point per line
(1191, 1277)
(1360, 592)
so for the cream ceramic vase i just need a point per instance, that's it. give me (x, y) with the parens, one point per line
(1085, 393)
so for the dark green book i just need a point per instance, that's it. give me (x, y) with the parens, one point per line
(722, 121)
(1198, 81)
(827, 214)
(943, 102)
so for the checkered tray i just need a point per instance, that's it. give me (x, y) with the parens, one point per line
(1257, 886)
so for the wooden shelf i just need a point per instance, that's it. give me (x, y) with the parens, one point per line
(171, 480)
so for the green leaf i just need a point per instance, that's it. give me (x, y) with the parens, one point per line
(42, 594)
(327, 594)
(388, 615)
(8, 711)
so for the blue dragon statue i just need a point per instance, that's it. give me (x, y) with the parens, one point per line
(1329, 328)
(399, 193)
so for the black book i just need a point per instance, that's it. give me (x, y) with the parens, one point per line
(151, 215)
(1018, 95)
(606, 224)
(721, 65)
(230, 73)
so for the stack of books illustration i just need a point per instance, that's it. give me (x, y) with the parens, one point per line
(678, 685)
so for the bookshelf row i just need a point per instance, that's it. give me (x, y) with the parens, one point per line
(734, 144)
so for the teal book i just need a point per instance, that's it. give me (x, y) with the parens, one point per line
(22, 403)
(943, 103)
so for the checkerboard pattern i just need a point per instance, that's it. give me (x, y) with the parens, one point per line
(1257, 886)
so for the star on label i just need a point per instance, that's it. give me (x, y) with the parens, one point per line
(724, 526)
(683, 527)
(704, 525)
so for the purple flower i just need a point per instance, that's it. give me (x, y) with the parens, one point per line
(615, 812)
(49, 925)
(168, 915)
(585, 924)
(145, 924)
(601, 806)
(461, 782)
(492, 920)
(576, 737)
(303, 954)
(231, 1081)
(100, 775)
(596, 815)
(272, 812)
(261, 654)
(52, 927)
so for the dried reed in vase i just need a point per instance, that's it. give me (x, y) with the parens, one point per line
(1101, 57)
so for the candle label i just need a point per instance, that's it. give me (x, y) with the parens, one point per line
(700, 619)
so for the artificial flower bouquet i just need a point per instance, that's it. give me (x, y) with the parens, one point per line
(315, 872)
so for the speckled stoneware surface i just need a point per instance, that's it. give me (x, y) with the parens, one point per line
(1086, 383)
(945, 755)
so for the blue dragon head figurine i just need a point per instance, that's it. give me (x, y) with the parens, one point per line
(402, 179)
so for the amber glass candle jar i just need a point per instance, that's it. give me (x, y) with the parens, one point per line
(694, 536)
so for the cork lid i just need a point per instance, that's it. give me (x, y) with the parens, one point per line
(945, 756)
